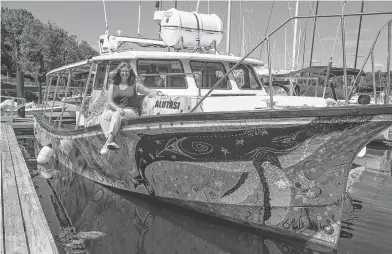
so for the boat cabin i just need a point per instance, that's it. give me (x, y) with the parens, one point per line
(180, 76)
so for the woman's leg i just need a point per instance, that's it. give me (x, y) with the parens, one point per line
(114, 126)
(110, 123)
(104, 121)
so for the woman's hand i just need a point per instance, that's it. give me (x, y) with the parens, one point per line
(121, 111)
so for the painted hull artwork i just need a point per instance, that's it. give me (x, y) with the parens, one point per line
(285, 175)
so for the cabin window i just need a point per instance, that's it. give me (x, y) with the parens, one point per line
(245, 77)
(211, 73)
(99, 76)
(160, 74)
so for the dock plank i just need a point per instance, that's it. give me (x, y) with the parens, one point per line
(39, 237)
(1, 210)
(15, 238)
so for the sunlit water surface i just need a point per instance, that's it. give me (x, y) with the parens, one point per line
(136, 224)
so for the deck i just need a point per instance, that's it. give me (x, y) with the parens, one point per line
(24, 228)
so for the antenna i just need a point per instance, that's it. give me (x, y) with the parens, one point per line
(106, 20)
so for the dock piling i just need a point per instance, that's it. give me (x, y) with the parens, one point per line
(20, 91)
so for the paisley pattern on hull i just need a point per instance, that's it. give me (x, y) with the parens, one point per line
(289, 178)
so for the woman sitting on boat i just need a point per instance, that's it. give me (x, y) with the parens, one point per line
(122, 102)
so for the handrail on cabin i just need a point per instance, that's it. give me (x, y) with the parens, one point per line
(342, 16)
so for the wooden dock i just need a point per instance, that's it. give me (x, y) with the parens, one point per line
(24, 228)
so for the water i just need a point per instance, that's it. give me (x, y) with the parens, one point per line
(138, 224)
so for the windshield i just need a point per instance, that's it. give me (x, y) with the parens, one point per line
(245, 77)
(212, 72)
(159, 73)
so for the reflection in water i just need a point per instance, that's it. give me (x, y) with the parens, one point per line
(142, 224)
(138, 224)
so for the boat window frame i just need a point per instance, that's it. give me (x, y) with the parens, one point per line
(184, 74)
(105, 63)
(214, 62)
(252, 71)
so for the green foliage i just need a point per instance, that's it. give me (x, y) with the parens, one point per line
(29, 45)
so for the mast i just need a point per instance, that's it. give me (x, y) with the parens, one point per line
(228, 26)
(243, 36)
(138, 19)
(298, 47)
(197, 6)
(285, 48)
(106, 20)
(303, 50)
(295, 36)
(359, 34)
(314, 29)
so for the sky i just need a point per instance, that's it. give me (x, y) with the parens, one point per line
(86, 20)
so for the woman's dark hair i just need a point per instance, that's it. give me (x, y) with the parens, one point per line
(115, 74)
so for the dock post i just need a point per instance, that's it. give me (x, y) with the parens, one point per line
(388, 86)
(20, 91)
(39, 92)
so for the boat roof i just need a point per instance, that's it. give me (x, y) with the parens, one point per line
(84, 66)
(172, 55)
(81, 67)
(322, 70)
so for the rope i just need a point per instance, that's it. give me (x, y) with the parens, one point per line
(265, 34)
(251, 23)
(318, 34)
(292, 25)
(337, 31)
(302, 45)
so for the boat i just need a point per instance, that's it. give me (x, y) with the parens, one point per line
(30, 107)
(217, 143)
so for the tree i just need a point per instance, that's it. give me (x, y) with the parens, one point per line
(29, 45)
(14, 22)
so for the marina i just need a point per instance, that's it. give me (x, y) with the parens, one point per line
(276, 157)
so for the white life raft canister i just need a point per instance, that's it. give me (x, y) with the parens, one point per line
(182, 29)
(45, 154)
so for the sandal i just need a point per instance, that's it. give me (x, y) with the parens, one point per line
(112, 146)
(104, 150)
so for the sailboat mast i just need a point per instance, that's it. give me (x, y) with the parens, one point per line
(228, 26)
(299, 46)
(285, 48)
(314, 29)
(295, 36)
(359, 34)
(138, 19)
(303, 50)
(243, 37)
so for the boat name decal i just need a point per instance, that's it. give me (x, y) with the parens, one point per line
(167, 104)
